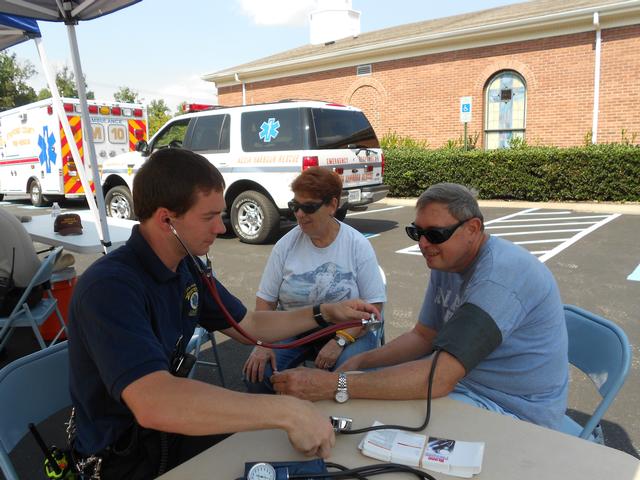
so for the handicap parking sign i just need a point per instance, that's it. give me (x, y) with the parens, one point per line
(465, 109)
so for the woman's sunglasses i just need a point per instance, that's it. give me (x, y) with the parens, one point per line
(433, 235)
(307, 208)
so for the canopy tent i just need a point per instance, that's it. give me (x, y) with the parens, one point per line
(71, 12)
(15, 29)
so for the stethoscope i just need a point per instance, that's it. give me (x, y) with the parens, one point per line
(371, 324)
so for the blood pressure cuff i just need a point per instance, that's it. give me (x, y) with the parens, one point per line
(469, 335)
(285, 469)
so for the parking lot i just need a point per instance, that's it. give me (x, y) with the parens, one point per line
(593, 256)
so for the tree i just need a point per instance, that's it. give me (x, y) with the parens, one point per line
(14, 90)
(127, 95)
(159, 114)
(65, 81)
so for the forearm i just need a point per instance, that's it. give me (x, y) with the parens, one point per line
(272, 326)
(408, 346)
(178, 405)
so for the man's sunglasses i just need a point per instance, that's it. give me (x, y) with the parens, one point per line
(435, 235)
(307, 208)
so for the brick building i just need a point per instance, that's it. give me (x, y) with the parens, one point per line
(550, 71)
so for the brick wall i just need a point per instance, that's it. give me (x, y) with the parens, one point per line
(419, 96)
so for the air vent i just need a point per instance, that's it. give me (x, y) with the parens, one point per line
(362, 70)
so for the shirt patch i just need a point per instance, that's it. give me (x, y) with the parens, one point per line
(192, 297)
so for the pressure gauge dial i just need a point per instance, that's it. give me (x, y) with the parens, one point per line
(262, 471)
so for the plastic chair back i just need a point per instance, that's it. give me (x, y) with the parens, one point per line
(32, 389)
(600, 349)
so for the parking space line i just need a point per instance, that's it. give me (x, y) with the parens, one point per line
(577, 237)
(536, 232)
(550, 240)
(374, 211)
(553, 219)
(542, 225)
(635, 275)
(566, 212)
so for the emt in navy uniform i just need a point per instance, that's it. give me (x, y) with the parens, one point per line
(131, 316)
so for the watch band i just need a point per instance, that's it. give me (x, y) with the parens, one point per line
(317, 316)
(346, 335)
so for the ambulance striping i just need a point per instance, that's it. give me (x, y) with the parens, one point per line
(72, 183)
(19, 161)
(133, 126)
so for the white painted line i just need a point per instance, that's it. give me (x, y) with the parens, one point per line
(568, 212)
(554, 240)
(635, 275)
(577, 237)
(537, 232)
(523, 212)
(540, 252)
(374, 211)
(542, 225)
(413, 250)
(553, 219)
(372, 235)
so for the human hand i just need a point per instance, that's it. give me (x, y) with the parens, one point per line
(328, 355)
(310, 431)
(348, 311)
(253, 368)
(306, 383)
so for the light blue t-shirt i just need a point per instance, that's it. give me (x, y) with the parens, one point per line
(527, 374)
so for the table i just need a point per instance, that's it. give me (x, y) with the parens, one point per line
(40, 229)
(514, 449)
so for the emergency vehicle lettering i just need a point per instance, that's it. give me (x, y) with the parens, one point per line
(270, 159)
(337, 161)
(357, 177)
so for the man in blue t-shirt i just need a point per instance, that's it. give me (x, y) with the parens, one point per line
(492, 310)
(133, 313)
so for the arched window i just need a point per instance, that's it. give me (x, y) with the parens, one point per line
(505, 109)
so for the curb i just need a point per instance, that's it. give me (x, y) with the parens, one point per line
(604, 207)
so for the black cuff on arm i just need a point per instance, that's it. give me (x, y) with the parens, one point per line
(469, 335)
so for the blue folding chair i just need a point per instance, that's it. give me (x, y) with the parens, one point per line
(200, 337)
(601, 350)
(32, 389)
(25, 316)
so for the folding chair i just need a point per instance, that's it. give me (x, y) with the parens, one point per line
(201, 336)
(380, 332)
(32, 389)
(25, 316)
(601, 350)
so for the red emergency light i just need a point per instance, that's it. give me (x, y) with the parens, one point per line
(93, 109)
(137, 112)
(116, 111)
(68, 107)
(139, 133)
(196, 107)
(339, 170)
(309, 162)
(382, 161)
(49, 109)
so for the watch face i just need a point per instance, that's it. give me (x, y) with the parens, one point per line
(341, 341)
(342, 396)
(262, 471)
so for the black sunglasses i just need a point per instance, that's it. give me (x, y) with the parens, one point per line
(307, 208)
(433, 235)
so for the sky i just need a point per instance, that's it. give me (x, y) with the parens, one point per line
(161, 51)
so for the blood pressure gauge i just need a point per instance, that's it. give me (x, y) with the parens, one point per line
(262, 471)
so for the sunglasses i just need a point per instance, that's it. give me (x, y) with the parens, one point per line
(435, 235)
(307, 208)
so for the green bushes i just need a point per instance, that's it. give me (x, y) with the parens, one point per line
(594, 173)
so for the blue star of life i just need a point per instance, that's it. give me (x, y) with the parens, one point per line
(46, 142)
(269, 130)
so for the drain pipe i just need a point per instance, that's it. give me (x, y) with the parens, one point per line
(244, 90)
(596, 80)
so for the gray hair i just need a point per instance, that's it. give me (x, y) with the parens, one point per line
(460, 200)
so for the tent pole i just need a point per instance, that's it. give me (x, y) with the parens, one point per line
(87, 136)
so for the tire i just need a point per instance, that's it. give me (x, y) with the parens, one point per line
(119, 203)
(340, 214)
(254, 218)
(1, 196)
(35, 194)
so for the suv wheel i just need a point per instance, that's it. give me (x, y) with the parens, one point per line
(254, 218)
(119, 203)
(35, 194)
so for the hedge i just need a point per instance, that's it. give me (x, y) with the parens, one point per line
(595, 173)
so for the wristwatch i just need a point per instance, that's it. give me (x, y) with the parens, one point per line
(340, 341)
(342, 395)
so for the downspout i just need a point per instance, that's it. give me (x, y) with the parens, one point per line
(244, 91)
(596, 80)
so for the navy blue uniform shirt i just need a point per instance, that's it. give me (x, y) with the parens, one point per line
(127, 312)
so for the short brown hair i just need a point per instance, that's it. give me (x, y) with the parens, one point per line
(172, 178)
(318, 182)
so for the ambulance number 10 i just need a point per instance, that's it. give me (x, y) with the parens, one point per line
(116, 133)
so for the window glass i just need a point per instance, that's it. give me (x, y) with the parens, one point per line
(208, 134)
(340, 128)
(173, 135)
(505, 110)
(272, 130)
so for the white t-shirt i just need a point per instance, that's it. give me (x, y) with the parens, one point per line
(14, 236)
(299, 274)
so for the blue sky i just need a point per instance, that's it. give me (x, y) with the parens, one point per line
(161, 51)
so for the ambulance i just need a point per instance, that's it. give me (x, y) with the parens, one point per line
(35, 156)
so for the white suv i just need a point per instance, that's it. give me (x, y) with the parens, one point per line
(260, 149)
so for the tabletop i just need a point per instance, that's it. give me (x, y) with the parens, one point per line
(40, 229)
(514, 449)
